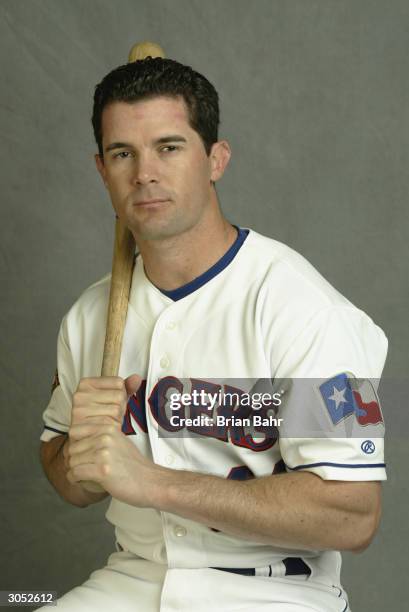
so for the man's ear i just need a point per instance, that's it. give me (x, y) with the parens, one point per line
(219, 158)
(99, 162)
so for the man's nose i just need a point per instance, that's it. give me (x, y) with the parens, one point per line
(145, 170)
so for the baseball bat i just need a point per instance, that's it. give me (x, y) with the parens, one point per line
(122, 268)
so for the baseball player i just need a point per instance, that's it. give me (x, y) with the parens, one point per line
(212, 508)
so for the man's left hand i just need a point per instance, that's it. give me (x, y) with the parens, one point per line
(112, 460)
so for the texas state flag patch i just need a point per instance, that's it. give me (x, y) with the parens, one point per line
(344, 395)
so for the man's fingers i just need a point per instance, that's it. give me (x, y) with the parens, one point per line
(92, 427)
(132, 384)
(97, 441)
(86, 471)
(111, 397)
(104, 397)
(101, 382)
(94, 456)
(101, 419)
(114, 383)
(88, 459)
(101, 411)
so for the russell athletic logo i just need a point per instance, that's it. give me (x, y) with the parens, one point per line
(368, 447)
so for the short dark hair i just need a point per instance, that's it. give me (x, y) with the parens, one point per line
(153, 77)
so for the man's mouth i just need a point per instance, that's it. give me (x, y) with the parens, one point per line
(151, 203)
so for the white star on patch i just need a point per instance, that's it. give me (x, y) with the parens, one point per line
(338, 396)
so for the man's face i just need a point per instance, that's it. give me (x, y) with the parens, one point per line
(156, 168)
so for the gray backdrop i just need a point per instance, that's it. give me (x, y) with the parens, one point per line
(314, 97)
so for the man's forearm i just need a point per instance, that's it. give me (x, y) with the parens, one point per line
(55, 469)
(289, 510)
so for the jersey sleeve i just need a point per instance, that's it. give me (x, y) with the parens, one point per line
(57, 415)
(332, 420)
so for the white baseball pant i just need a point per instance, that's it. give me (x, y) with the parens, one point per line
(128, 583)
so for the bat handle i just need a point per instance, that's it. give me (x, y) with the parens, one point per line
(123, 261)
(121, 279)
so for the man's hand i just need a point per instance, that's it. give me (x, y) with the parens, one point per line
(112, 460)
(100, 401)
(99, 405)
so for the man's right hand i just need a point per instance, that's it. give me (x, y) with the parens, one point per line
(98, 402)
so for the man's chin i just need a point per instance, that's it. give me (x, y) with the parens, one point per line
(155, 231)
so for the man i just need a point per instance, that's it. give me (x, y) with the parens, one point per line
(210, 515)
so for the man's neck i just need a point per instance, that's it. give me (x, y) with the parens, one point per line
(171, 263)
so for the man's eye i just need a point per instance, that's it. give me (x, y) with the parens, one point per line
(122, 155)
(169, 148)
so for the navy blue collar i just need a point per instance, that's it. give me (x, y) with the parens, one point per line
(196, 283)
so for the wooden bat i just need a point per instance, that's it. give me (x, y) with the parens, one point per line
(122, 268)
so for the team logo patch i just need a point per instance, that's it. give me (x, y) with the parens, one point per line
(368, 447)
(56, 382)
(344, 395)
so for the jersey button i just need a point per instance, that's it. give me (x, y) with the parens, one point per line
(179, 531)
(170, 325)
(164, 362)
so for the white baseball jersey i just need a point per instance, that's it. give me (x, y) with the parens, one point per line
(262, 312)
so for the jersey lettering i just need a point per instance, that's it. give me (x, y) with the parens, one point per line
(136, 408)
(172, 420)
